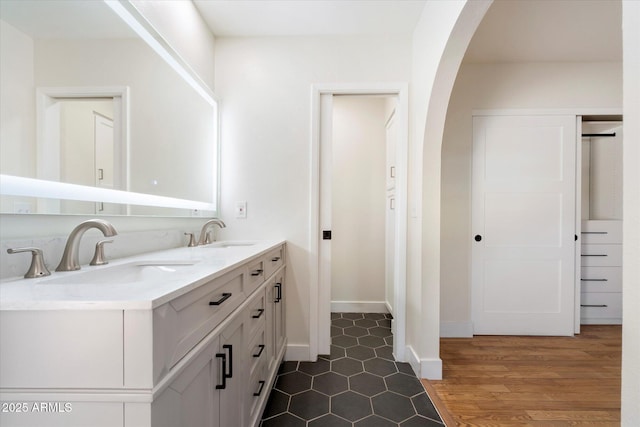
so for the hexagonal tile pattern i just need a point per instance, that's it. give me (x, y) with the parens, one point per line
(393, 406)
(367, 384)
(351, 406)
(315, 368)
(360, 353)
(330, 383)
(309, 405)
(358, 385)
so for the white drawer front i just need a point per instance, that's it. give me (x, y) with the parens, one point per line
(605, 306)
(601, 255)
(599, 232)
(181, 323)
(601, 279)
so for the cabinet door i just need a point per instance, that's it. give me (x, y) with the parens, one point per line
(232, 402)
(191, 400)
(279, 313)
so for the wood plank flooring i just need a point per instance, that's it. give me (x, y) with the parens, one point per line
(531, 381)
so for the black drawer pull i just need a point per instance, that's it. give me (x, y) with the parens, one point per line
(259, 353)
(222, 386)
(594, 255)
(230, 348)
(275, 259)
(594, 232)
(259, 392)
(257, 316)
(594, 280)
(225, 296)
(278, 292)
(256, 272)
(594, 305)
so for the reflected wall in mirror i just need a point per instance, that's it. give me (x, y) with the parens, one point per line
(86, 101)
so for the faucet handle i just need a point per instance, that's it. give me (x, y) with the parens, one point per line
(192, 240)
(37, 268)
(98, 256)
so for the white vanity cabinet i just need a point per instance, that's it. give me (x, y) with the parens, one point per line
(207, 357)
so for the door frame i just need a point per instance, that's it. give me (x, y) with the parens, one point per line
(320, 284)
(48, 143)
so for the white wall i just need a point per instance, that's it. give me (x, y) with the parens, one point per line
(500, 86)
(181, 25)
(17, 102)
(631, 213)
(439, 42)
(358, 199)
(265, 85)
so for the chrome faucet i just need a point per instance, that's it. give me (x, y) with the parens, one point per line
(70, 257)
(204, 233)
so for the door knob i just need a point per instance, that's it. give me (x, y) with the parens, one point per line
(478, 238)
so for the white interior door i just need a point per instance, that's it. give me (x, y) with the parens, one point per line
(523, 222)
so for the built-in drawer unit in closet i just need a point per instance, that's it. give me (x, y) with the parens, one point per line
(601, 229)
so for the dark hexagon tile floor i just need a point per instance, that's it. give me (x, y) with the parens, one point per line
(358, 385)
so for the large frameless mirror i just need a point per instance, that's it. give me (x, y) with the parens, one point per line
(99, 115)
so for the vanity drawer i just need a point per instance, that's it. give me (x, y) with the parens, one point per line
(255, 275)
(183, 322)
(601, 232)
(257, 350)
(257, 313)
(601, 307)
(257, 391)
(601, 255)
(601, 279)
(273, 261)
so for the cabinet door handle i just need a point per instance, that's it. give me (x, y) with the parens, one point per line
(256, 272)
(278, 292)
(594, 280)
(225, 296)
(259, 353)
(594, 305)
(259, 392)
(230, 348)
(259, 315)
(222, 356)
(594, 255)
(275, 259)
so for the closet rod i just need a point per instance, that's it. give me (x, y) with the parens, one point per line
(587, 135)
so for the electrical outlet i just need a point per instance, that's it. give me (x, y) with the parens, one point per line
(241, 210)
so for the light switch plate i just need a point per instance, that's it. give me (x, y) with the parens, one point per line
(241, 210)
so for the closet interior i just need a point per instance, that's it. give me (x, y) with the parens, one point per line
(601, 221)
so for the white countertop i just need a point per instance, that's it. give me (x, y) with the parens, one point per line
(205, 263)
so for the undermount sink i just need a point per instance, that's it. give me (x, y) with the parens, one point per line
(229, 244)
(133, 272)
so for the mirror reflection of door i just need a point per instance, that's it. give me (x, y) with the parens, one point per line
(83, 129)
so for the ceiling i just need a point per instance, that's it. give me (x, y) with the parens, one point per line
(238, 18)
(512, 30)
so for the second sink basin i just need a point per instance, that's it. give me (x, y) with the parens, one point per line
(133, 272)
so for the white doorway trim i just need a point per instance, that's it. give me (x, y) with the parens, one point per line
(320, 289)
(48, 142)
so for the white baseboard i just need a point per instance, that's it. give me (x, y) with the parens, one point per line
(430, 369)
(298, 352)
(412, 358)
(456, 329)
(359, 307)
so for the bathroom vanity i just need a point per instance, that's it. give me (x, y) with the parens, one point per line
(183, 337)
